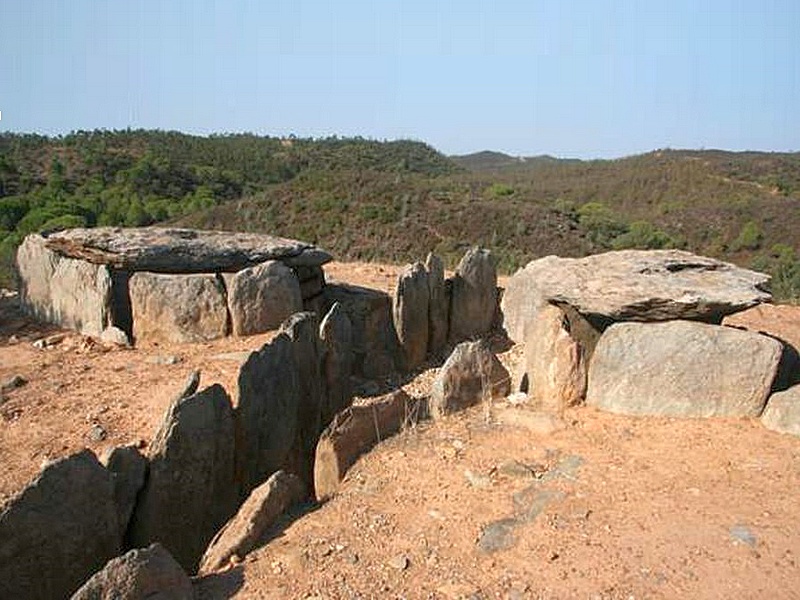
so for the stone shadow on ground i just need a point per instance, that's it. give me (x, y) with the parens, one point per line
(218, 586)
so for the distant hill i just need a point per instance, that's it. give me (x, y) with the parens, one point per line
(395, 201)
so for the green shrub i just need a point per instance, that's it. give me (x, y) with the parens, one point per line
(749, 238)
(644, 236)
(600, 223)
(499, 190)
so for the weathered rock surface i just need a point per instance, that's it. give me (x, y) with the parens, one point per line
(782, 413)
(554, 366)
(59, 530)
(143, 574)
(169, 250)
(473, 299)
(128, 469)
(178, 308)
(410, 311)
(683, 369)
(632, 285)
(781, 321)
(354, 431)
(303, 330)
(190, 491)
(376, 350)
(336, 337)
(470, 375)
(260, 298)
(242, 533)
(268, 414)
(438, 305)
(67, 292)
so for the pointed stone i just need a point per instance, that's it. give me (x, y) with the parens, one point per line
(410, 311)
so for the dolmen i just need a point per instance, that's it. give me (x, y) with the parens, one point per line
(167, 284)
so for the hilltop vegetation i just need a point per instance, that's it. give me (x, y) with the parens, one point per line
(395, 201)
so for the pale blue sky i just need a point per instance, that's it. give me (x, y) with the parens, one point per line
(570, 78)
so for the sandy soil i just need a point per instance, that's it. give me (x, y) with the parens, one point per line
(606, 507)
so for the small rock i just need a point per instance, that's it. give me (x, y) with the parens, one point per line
(167, 360)
(517, 398)
(498, 535)
(115, 336)
(514, 468)
(742, 534)
(400, 562)
(477, 481)
(239, 357)
(97, 433)
(13, 383)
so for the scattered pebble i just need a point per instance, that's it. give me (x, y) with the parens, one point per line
(742, 534)
(12, 383)
(97, 433)
(477, 481)
(400, 562)
(167, 360)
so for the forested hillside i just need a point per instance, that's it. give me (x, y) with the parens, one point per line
(397, 200)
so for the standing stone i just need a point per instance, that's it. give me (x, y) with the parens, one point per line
(782, 413)
(470, 375)
(64, 291)
(142, 574)
(682, 369)
(178, 308)
(267, 414)
(303, 330)
(260, 298)
(473, 300)
(336, 336)
(59, 530)
(410, 313)
(554, 364)
(128, 469)
(437, 306)
(262, 508)
(190, 491)
(376, 350)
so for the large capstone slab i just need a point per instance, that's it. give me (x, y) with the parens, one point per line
(632, 285)
(172, 250)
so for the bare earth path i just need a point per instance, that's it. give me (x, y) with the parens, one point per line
(608, 507)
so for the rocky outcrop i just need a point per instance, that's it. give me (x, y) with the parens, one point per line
(190, 491)
(60, 290)
(376, 350)
(410, 310)
(336, 337)
(554, 367)
(143, 574)
(438, 306)
(178, 308)
(632, 285)
(353, 432)
(782, 413)
(260, 298)
(473, 296)
(128, 469)
(172, 250)
(262, 508)
(59, 530)
(470, 375)
(682, 369)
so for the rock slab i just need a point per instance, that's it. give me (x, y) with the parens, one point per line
(260, 298)
(410, 311)
(190, 491)
(554, 365)
(632, 285)
(471, 374)
(173, 250)
(473, 299)
(59, 530)
(262, 508)
(438, 306)
(143, 574)
(178, 308)
(782, 413)
(128, 469)
(682, 369)
(336, 337)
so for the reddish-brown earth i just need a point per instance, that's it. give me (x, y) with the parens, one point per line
(630, 507)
